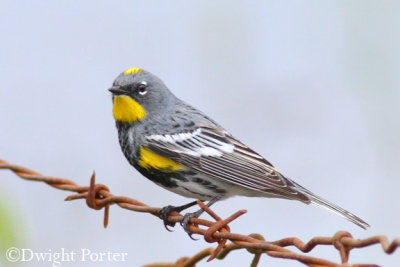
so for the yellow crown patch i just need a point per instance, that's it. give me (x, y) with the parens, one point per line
(132, 71)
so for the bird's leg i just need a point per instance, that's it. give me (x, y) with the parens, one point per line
(166, 211)
(196, 214)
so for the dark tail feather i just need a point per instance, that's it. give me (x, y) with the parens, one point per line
(333, 208)
(339, 211)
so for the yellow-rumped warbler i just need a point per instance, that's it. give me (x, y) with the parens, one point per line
(182, 150)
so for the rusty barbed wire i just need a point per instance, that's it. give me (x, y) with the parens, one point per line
(98, 196)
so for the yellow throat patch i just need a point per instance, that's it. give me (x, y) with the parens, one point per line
(127, 110)
(132, 71)
(149, 159)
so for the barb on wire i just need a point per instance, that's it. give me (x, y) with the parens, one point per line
(98, 196)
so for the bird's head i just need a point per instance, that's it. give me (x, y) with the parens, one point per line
(137, 93)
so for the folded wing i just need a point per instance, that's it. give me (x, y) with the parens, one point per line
(217, 154)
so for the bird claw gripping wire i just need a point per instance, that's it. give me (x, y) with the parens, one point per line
(164, 214)
(168, 210)
(185, 223)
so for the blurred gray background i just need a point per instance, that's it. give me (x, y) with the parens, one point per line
(312, 86)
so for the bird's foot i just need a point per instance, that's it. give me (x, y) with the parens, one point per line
(164, 214)
(186, 219)
(167, 210)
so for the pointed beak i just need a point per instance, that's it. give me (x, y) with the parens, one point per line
(116, 90)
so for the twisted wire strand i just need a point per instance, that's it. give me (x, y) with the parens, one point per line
(98, 196)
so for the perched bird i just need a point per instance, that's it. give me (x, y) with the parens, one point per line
(181, 149)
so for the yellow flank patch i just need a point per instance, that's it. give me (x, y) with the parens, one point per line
(132, 71)
(149, 159)
(125, 109)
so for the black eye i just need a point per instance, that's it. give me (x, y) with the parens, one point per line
(142, 88)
